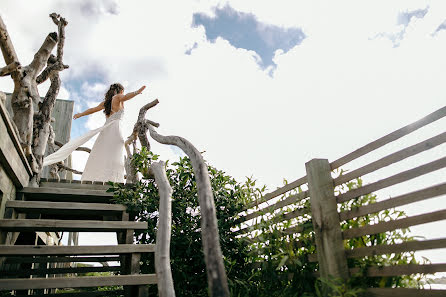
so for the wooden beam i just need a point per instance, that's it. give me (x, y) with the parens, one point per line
(408, 198)
(69, 270)
(84, 294)
(12, 156)
(325, 217)
(389, 138)
(397, 248)
(66, 191)
(393, 180)
(403, 292)
(287, 201)
(73, 185)
(63, 208)
(395, 224)
(396, 270)
(77, 282)
(276, 219)
(392, 158)
(297, 183)
(23, 225)
(42, 250)
(44, 259)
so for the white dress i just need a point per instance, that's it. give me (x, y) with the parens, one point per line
(106, 160)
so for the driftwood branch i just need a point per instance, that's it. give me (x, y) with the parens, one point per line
(216, 274)
(8, 69)
(60, 166)
(163, 233)
(43, 118)
(81, 148)
(8, 51)
(54, 170)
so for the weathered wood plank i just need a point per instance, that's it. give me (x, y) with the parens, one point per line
(44, 271)
(11, 154)
(393, 180)
(15, 260)
(395, 224)
(77, 282)
(293, 230)
(287, 201)
(396, 248)
(392, 158)
(403, 292)
(44, 250)
(389, 138)
(73, 185)
(65, 208)
(325, 218)
(276, 219)
(297, 183)
(408, 198)
(84, 294)
(22, 225)
(65, 191)
(401, 269)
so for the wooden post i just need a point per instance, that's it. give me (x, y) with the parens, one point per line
(162, 254)
(329, 244)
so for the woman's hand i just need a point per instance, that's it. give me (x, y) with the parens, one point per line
(77, 115)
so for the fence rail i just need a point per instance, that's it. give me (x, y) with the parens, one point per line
(328, 237)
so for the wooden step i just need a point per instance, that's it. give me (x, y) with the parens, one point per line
(84, 294)
(65, 270)
(23, 225)
(66, 208)
(77, 282)
(73, 184)
(60, 259)
(54, 250)
(66, 195)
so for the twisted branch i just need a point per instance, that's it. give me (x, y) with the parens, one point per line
(8, 69)
(216, 274)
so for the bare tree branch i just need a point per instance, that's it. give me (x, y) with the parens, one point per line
(81, 148)
(8, 50)
(60, 166)
(8, 69)
(54, 170)
(42, 55)
(43, 118)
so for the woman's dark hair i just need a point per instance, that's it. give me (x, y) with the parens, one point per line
(112, 91)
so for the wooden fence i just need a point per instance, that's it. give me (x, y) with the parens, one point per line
(284, 207)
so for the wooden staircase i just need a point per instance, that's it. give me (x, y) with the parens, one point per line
(71, 207)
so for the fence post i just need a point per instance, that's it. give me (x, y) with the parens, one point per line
(325, 217)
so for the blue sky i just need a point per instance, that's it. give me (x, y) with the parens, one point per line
(244, 30)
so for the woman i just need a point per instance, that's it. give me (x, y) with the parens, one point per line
(106, 162)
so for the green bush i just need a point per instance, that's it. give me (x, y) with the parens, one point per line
(270, 264)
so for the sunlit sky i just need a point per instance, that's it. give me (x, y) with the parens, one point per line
(261, 86)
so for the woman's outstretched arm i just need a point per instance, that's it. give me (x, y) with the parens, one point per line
(130, 95)
(90, 111)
